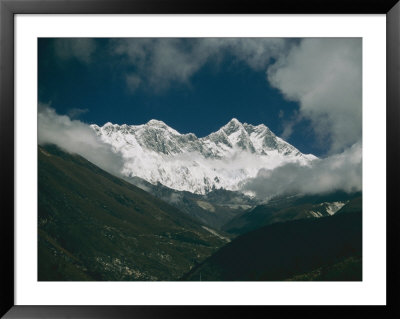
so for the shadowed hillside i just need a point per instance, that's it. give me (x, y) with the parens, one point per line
(286, 208)
(94, 226)
(282, 251)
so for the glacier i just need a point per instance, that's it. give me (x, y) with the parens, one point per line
(224, 159)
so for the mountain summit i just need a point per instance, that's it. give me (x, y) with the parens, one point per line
(224, 159)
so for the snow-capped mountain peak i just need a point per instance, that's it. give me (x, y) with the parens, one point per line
(224, 159)
(156, 122)
(232, 126)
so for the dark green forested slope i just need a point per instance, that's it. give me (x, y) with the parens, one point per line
(94, 226)
(349, 269)
(282, 251)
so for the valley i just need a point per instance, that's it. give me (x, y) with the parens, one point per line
(95, 226)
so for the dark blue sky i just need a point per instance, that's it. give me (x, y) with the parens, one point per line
(92, 87)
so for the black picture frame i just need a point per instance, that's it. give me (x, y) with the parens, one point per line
(8, 10)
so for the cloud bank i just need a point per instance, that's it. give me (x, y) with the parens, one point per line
(76, 137)
(324, 76)
(338, 172)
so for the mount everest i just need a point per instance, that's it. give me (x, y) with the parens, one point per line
(224, 159)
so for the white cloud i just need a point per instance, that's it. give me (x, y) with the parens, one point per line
(76, 137)
(81, 49)
(163, 61)
(338, 172)
(324, 76)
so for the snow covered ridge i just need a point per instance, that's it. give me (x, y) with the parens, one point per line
(327, 208)
(224, 159)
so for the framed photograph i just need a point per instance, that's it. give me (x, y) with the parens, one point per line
(167, 159)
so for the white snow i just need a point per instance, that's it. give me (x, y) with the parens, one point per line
(315, 214)
(224, 159)
(333, 207)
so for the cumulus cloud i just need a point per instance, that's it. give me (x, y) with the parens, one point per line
(76, 137)
(81, 49)
(163, 61)
(324, 76)
(342, 171)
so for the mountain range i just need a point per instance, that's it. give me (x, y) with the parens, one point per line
(178, 212)
(225, 159)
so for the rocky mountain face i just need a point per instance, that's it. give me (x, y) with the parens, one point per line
(224, 159)
(213, 209)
